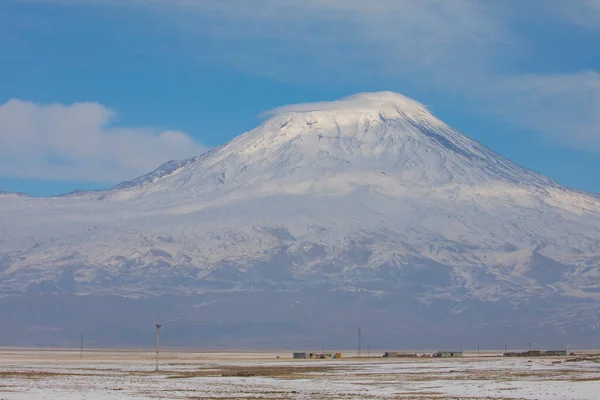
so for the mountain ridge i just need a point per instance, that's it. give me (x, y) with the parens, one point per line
(357, 196)
(294, 127)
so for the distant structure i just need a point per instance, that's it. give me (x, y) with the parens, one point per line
(448, 354)
(395, 354)
(556, 353)
(537, 353)
(321, 356)
(299, 356)
(157, 342)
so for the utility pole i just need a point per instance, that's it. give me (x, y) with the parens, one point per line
(529, 346)
(157, 342)
(81, 348)
(359, 341)
(505, 348)
(477, 349)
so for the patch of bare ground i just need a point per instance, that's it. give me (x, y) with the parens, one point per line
(284, 372)
(37, 374)
(441, 396)
(255, 395)
(101, 369)
(559, 374)
(419, 395)
(585, 358)
(588, 379)
(287, 395)
(232, 398)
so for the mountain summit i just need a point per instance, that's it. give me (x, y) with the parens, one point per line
(370, 195)
(342, 143)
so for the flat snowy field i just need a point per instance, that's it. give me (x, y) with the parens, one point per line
(62, 374)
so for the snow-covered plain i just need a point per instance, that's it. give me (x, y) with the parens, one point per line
(56, 375)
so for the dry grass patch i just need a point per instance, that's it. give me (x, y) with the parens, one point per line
(441, 396)
(37, 374)
(591, 379)
(284, 372)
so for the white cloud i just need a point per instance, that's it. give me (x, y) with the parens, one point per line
(447, 46)
(564, 106)
(357, 102)
(354, 36)
(81, 142)
(585, 13)
(348, 36)
(463, 48)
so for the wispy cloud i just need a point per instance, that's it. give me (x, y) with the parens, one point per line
(448, 46)
(585, 13)
(349, 36)
(81, 142)
(361, 37)
(564, 106)
(453, 47)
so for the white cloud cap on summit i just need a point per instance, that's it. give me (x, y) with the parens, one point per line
(357, 103)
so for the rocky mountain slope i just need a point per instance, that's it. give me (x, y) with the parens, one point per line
(371, 194)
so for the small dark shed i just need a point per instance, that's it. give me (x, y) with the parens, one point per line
(448, 354)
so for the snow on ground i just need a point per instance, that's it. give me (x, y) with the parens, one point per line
(53, 375)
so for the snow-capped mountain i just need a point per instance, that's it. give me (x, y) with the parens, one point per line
(371, 194)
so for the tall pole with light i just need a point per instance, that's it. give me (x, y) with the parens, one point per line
(157, 342)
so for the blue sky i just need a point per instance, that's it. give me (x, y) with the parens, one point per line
(96, 92)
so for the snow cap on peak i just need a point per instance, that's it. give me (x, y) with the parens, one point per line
(379, 102)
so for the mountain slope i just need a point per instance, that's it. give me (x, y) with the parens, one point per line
(371, 193)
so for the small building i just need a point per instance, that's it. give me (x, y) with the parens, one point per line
(557, 353)
(513, 354)
(298, 356)
(320, 356)
(448, 354)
